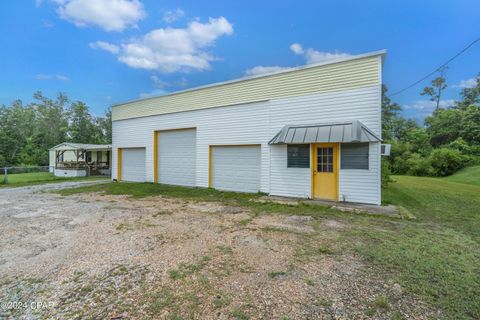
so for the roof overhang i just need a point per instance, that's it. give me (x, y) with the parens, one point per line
(67, 146)
(347, 131)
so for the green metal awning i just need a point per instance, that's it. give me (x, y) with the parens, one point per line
(347, 131)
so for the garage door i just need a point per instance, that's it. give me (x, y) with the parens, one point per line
(133, 164)
(236, 168)
(177, 157)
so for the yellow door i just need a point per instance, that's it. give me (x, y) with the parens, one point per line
(325, 171)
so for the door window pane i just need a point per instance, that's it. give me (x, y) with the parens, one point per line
(325, 159)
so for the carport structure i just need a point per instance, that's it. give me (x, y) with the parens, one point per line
(76, 159)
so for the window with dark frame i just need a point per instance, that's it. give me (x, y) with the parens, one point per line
(298, 156)
(354, 156)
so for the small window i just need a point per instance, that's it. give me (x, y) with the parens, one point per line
(354, 156)
(298, 156)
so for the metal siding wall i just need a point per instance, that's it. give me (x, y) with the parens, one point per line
(257, 123)
(358, 104)
(346, 75)
(362, 185)
(288, 182)
(243, 124)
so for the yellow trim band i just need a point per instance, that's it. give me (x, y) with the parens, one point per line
(119, 164)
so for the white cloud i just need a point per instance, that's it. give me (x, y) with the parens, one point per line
(314, 56)
(153, 93)
(296, 48)
(159, 84)
(428, 106)
(172, 16)
(111, 15)
(42, 76)
(102, 45)
(263, 70)
(183, 82)
(174, 49)
(469, 83)
(310, 55)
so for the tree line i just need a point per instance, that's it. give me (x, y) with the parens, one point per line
(28, 131)
(448, 141)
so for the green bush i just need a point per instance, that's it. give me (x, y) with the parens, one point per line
(447, 161)
(386, 179)
(464, 147)
(398, 155)
(418, 165)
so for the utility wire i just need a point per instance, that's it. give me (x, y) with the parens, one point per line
(436, 70)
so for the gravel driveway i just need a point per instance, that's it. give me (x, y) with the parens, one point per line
(113, 257)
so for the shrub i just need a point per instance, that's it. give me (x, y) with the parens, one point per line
(398, 155)
(418, 165)
(446, 161)
(464, 147)
(386, 179)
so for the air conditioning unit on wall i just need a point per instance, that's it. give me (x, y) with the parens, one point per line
(385, 149)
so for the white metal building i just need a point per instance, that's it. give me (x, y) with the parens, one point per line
(311, 132)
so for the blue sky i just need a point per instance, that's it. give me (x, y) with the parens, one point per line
(108, 51)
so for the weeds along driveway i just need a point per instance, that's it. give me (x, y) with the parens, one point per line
(104, 256)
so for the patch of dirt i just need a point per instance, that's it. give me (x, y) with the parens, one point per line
(301, 224)
(101, 256)
(335, 224)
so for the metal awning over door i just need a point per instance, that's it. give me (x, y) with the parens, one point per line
(349, 131)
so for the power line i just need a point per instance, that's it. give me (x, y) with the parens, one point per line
(437, 69)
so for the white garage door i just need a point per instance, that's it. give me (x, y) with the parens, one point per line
(177, 157)
(133, 164)
(236, 168)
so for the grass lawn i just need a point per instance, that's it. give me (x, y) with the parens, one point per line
(33, 178)
(435, 257)
(470, 175)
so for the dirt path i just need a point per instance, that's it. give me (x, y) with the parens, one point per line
(110, 256)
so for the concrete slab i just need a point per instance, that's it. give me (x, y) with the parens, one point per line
(388, 210)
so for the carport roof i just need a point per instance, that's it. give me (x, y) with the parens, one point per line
(347, 131)
(82, 146)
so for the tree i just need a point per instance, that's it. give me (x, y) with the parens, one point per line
(390, 115)
(444, 126)
(419, 141)
(438, 85)
(105, 125)
(82, 126)
(470, 127)
(51, 125)
(402, 126)
(470, 96)
(15, 127)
